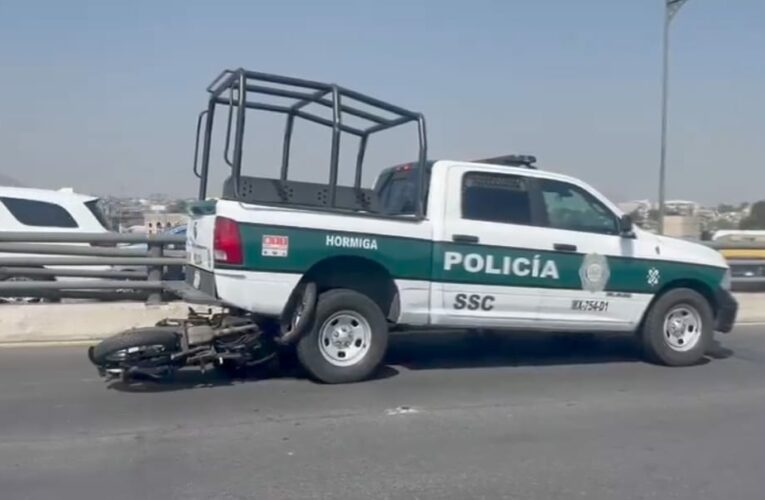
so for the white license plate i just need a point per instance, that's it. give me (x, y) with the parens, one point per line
(200, 257)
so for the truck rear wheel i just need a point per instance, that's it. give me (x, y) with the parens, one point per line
(348, 338)
(678, 328)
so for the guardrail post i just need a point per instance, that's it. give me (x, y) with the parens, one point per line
(154, 272)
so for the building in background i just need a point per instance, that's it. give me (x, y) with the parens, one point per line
(153, 214)
(160, 222)
(682, 226)
(681, 207)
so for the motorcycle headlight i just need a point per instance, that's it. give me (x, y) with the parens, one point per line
(726, 280)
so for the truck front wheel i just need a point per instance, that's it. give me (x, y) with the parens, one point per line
(678, 328)
(348, 338)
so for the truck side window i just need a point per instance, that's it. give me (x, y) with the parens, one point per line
(496, 198)
(572, 208)
(38, 213)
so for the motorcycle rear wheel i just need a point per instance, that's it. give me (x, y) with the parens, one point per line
(138, 346)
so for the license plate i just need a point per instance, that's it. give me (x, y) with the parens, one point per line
(200, 257)
(590, 305)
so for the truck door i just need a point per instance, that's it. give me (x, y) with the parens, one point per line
(483, 275)
(601, 271)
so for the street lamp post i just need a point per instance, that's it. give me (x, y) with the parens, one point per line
(670, 9)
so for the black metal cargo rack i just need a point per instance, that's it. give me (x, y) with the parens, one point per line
(238, 91)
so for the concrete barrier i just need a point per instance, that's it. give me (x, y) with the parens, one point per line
(45, 323)
(751, 307)
(79, 321)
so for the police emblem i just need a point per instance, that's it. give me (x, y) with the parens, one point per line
(594, 272)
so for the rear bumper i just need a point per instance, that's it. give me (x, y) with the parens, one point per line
(202, 280)
(260, 292)
(727, 308)
(198, 288)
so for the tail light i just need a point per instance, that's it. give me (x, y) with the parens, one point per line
(227, 242)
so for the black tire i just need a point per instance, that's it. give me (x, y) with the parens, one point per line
(164, 336)
(658, 343)
(299, 312)
(310, 354)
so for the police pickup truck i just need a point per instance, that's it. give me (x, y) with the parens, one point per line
(490, 244)
(500, 248)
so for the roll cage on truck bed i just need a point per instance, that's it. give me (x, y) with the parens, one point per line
(330, 268)
(237, 90)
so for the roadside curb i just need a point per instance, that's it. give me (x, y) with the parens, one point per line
(83, 323)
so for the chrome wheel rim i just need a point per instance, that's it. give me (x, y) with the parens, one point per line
(682, 328)
(344, 338)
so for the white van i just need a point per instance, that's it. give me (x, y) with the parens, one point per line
(43, 210)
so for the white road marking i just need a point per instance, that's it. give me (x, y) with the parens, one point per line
(401, 410)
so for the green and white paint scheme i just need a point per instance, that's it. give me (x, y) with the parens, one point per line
(607, 283)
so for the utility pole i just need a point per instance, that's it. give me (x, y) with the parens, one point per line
(670, 9)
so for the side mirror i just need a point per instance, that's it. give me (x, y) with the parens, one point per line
(626, 225)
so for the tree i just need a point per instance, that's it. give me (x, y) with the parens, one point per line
(725, 208)
(756, 219)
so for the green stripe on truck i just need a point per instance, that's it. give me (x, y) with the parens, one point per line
(415, 259)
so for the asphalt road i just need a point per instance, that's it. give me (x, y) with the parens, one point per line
(499, 416)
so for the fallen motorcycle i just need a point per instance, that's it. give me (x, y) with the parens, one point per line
(218, 340)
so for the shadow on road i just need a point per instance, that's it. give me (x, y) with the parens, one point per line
(422, 351)
(717, 351)
(193, 378)
(184, 379)
(439, 350)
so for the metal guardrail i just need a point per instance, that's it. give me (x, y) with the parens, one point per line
(728, 244)
(747, 272)
(102, 266)
(99, 266)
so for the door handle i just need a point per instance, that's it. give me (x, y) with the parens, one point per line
(564, 247)
(465, 238)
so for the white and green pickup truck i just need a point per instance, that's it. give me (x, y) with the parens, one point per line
(500, 248)
(492, 244)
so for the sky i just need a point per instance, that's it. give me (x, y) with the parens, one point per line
(103, 95)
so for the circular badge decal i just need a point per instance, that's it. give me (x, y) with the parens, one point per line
(594, 272)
